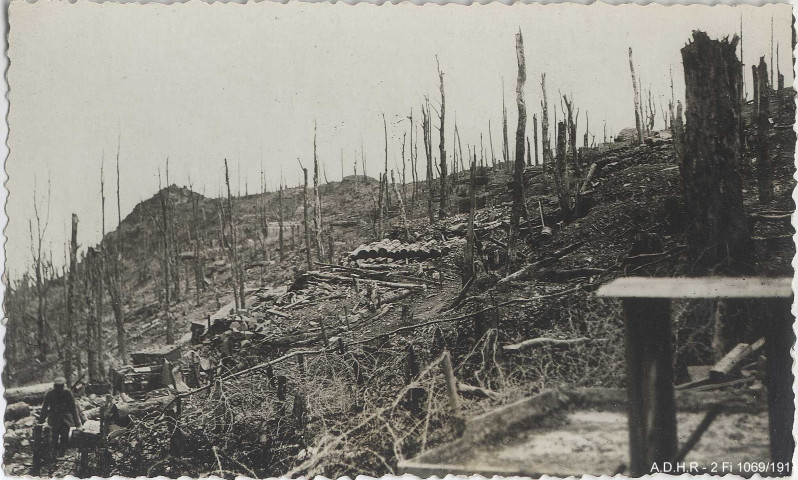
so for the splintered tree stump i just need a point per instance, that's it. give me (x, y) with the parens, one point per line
(764, 168)
(718, 235)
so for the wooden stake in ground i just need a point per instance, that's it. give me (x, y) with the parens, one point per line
(518, 208)
(718, 236)
(764, 169)
(638, 120)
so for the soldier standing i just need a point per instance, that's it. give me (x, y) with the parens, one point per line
(61, 413)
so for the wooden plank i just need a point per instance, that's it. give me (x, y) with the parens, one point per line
(699, 287)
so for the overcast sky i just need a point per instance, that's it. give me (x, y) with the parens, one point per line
(201, 82)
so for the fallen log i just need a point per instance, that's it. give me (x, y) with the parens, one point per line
(278, 313)
(543, 342)
(401, 295)
(329, 277)
(724, 369)
(30, 394)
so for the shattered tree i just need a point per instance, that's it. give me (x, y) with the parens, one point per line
(718, 234)
(518, 208)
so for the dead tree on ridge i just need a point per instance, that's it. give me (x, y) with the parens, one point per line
(444, 186)
(638, 120)
(116, 287)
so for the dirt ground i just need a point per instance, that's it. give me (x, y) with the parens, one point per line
(596, 442)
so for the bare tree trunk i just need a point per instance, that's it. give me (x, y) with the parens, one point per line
(428, 152)
(413, 167)
(470, 239)
(91, 289)
(70, 307)
(571, 126)
(402, 211)
(638, 120)
(170, 326)
(492, 154)
(100, 274)
(518, 208)
(535, 135)
(316, 200)
(280, 219)
(116, 285)
(306, 221)
(544, 132)
(239, 302)
(444, 186)
(505, 138)
(718, 236)
(560, 179)
(764, 168)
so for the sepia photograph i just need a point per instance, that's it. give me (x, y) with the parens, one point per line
(316, 239)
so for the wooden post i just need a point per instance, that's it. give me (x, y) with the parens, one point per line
(638, 120)
(649, 377)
